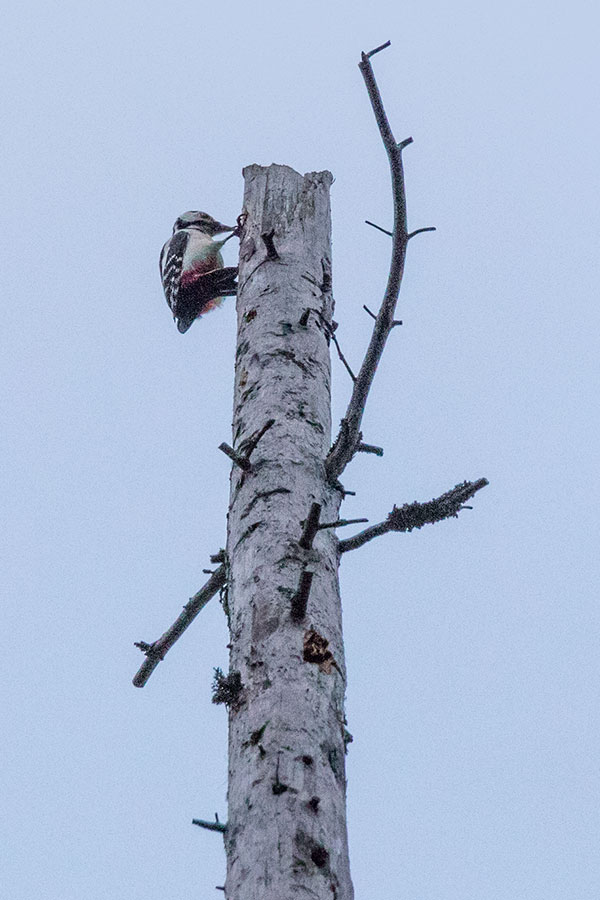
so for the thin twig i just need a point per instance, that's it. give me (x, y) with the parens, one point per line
(415, 515)
(156, 651)
(330, 329)
(419, 231)
(341, 355)
(372, 314)
(379, 228)
(345, 445)
(341, 523)
(377, 49)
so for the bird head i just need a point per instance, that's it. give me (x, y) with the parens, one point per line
(202, 221)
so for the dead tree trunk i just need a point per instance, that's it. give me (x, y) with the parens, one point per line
(286, 832)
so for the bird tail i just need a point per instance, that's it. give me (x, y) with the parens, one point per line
(184, 323)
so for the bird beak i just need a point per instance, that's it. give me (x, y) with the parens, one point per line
(220, 227)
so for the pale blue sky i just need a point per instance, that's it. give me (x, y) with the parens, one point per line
(472, 645)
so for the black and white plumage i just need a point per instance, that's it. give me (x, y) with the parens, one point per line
(191, 268)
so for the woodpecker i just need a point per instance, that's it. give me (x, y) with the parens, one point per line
(191, 268)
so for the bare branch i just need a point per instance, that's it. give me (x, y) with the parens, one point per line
(419, 231)
(211, 826)
(242, 461)
(376, 50)
(241, 457)
(341, 355)
(379, 228)
(372, 314)
(300, 598)
(345, 445)
(248, 446)
(330, 328)
(340, 487)
(415, 515)
(311, 526)
(370, 448)
(157, 651)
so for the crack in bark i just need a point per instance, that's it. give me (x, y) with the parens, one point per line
(253, 389)
(263, 495)
(267, 238)
(306, 368)
(242, 349)
(248, 532)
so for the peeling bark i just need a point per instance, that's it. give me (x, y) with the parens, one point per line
(286, 834)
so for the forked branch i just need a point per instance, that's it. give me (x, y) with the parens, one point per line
(348, 439)
(241, 457)
(415, 515)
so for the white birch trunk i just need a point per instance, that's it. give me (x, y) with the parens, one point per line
(286, 834)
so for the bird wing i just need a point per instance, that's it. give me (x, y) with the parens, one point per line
(203, 292)
(171, 265)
